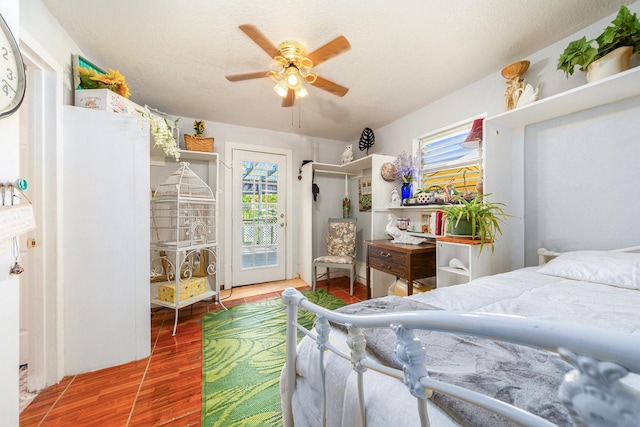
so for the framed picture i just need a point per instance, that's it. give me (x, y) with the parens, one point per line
(425, 223)
(364, 194)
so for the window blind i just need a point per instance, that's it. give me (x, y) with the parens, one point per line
(445, 162)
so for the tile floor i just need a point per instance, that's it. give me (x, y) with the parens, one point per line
(163, 389)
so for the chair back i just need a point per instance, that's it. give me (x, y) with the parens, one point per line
(341, 237)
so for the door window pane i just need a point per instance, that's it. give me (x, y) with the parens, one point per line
(259, 214)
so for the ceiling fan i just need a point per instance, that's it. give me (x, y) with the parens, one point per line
(294, 65)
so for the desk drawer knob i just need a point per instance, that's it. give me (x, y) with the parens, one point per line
(387, 254)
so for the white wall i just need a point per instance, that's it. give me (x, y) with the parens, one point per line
(581, 174)
(9, 303)
(607, 135)
(37, 21)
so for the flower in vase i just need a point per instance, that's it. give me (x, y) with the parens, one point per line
(407, 167)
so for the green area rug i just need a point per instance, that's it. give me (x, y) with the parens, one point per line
(243, 351)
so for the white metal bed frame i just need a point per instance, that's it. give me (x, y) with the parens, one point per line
(601, 358)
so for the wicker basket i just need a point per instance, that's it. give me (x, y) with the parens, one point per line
(194, 143)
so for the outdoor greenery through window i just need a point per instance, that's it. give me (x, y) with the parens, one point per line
(259, 204)
(445, 163)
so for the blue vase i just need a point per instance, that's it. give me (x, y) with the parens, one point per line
(407, 191)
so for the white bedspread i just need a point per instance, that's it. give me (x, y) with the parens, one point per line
(523, 292)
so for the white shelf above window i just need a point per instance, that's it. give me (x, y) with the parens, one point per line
(618, 87)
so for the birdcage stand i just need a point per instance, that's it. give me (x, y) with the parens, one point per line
(163, 265)
(184, 241)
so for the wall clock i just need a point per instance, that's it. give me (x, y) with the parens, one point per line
(13, 81)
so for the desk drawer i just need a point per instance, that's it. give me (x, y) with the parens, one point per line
(389, 265)
(390, 255)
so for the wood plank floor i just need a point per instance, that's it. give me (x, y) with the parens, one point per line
(163, 389)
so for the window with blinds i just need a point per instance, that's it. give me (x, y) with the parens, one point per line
(445, 163)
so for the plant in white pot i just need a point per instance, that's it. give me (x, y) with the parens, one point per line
(476, 218)
(616, 44)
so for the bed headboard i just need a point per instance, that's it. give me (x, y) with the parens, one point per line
(545, 255)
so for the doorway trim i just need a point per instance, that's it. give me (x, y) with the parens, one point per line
(228, 206)
(45, 319)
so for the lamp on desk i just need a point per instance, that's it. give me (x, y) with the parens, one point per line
(474, 140)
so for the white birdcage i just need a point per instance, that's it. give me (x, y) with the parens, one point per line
(183, 212)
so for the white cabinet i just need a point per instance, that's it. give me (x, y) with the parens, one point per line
(476, 264)
(104, 239)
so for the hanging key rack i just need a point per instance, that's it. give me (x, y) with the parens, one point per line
(15, 218)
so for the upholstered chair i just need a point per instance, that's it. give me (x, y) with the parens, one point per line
(341, 249)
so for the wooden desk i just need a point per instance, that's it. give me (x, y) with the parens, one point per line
(409, 262)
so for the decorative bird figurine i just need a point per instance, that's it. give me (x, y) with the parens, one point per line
(347, 155)
(527, 95)
(400, 236)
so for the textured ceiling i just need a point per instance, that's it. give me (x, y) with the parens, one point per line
(405, 54)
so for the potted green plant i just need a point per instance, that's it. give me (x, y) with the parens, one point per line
(477, 218)
(624, 32)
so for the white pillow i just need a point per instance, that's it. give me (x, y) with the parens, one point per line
(609, 268)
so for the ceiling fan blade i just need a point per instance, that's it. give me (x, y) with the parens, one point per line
(246, 76)
(287, 101)
(330, 86)
(333, 48)
(260, 39)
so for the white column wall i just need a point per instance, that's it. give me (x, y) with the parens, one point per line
(9, 285)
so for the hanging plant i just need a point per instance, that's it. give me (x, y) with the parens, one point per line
(162, 133)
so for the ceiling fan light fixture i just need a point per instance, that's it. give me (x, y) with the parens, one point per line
(293, 66)
(293, 78)
(281, 88)
(302, 92)
(310, 78)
